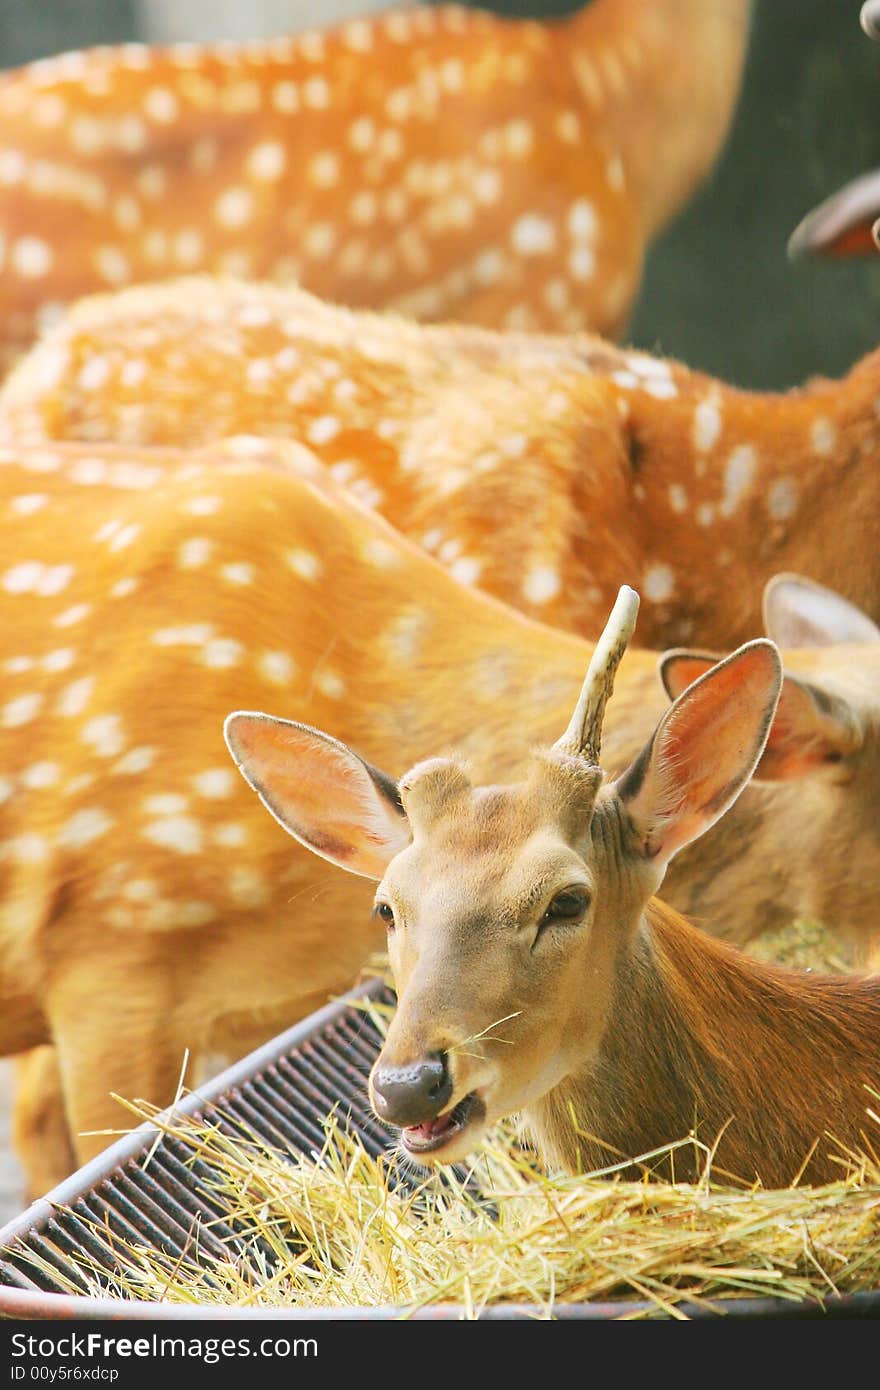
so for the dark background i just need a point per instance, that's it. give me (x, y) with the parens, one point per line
(719, 292)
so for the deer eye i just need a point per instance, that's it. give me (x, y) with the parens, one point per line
(385, 912)
(566, 906)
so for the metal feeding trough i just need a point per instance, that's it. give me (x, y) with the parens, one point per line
(280, 1093)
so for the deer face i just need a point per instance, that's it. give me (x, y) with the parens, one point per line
(508, 908)
(493, 924)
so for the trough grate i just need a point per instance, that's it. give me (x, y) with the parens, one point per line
(280, 1096)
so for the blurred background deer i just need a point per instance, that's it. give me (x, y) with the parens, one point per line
(544, 470)
(444, 162)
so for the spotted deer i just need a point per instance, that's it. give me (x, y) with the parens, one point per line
(544, 470)
(536, 972)
(441, 161)
(147, 904)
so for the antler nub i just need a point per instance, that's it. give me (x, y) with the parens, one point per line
(583, 737)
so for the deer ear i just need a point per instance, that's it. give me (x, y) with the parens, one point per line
(810, 730)
(680, 667)
(798, 612)
(322, 793)
(703, 751)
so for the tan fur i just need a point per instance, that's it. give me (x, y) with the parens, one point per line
(545, 471)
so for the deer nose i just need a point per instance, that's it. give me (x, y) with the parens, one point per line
(413, 1094)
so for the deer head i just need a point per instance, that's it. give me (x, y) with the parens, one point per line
(510, 908)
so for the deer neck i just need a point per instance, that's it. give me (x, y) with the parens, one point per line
(663, 79)
(701, 1037)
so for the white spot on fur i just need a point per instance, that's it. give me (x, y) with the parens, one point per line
(823, 435)
(84, 827)
(41, 775)
(234, 208)
(330, 684)
(541, 584)
(215, 782)
(33, 577)
(304, 563)
(466, 569)
(94, 374)
(123, 587)
(28, 502)
(782, 499)
(247, 887)
(140, 890)
(678, 498)
(230, 835)
(104, 733)
(582, 263)
(135, 760)
(73, 615)
(380, 553)
(165, 804)
(739, 472)
(222, 653)
(193, 635)
(179, 833)
(276, 667)
(582, 221)
(31, 257)
(322, 430)
(707, 424)
(202, 506)
(659, 583)
(27, 849)
(267, 160)
(533, 235)
(194, 552)
(238, 573)
(74, 698)
(59, 660)
(21, 710)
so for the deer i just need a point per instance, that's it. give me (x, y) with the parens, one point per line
(443, 162)
(537, 973)
(543, 470)
(133, 930)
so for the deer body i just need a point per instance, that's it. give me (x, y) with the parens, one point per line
(546, 471)
(534, 973)
(444, 162)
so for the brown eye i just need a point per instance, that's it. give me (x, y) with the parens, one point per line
(567, 906)
(385, 912)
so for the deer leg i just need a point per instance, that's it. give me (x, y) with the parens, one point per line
(114, 1043)
(40, 1132)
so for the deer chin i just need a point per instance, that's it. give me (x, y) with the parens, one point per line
(448, 1137)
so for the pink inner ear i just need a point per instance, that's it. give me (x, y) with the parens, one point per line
(320, 791)
(707, 744)
(682, 671)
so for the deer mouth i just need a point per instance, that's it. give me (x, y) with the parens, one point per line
(438, 1133)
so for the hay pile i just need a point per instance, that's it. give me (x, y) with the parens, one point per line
(332, 1231)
